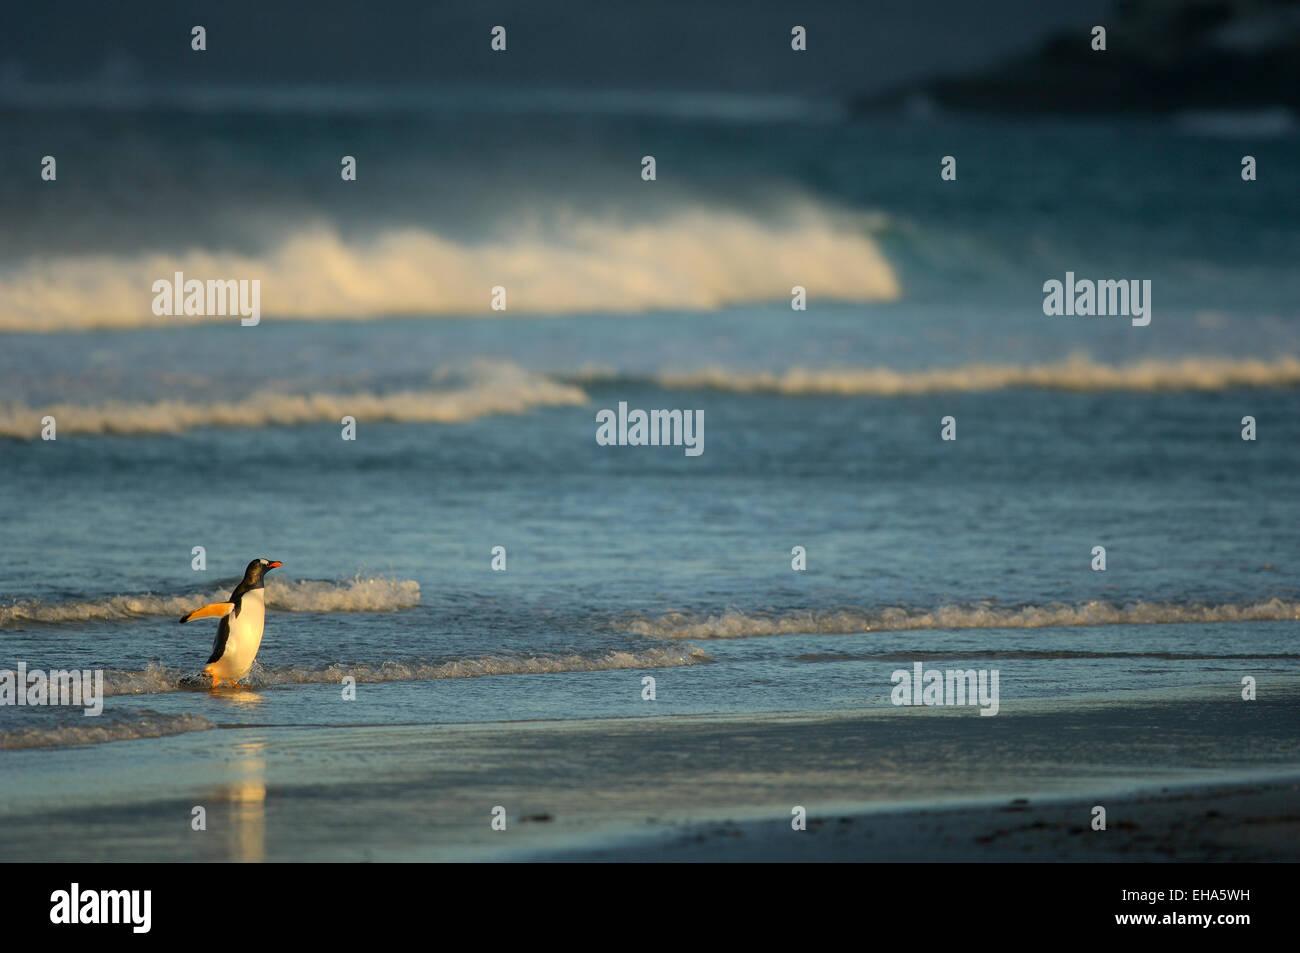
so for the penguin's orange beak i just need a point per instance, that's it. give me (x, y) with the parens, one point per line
(274, 565)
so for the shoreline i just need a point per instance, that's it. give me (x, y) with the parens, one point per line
(877, 784)
(1229, 821)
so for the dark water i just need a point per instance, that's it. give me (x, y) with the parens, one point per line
(476, 429)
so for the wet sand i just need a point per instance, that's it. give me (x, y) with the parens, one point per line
(882, 783)
(1202, 823)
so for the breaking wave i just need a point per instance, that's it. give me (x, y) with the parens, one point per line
(502, 392)
(694, 260)
(120, 725)
(850, 621)
(1075, 374)
(157, 678)
(373, 594)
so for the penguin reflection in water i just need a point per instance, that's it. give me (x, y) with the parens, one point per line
(240, 633)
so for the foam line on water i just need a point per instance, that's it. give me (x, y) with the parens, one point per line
(735, 624)
(121, 725)
(504, 391)
(1074, 374)
(359, 594)
(154, 678)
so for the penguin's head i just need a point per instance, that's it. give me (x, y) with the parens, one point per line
(258, 568)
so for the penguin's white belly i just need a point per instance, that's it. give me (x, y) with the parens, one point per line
(244, 640)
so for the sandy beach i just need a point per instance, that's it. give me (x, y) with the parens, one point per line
(1206, 777)
(1237, 822)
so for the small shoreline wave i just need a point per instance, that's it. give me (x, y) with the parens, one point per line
(359, 594)
(1074, 374)
(735, 624)
(158, 679)
(498, 390)
(119, 725)
(504, 391)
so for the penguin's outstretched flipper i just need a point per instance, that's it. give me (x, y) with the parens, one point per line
(215, 609)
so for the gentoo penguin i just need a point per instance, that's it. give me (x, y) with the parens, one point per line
(240, 632)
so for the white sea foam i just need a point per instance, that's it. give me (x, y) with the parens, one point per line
(370, 594)
(110, 726)
(157, 678)
(1075, 374)
(502, 389)
(693, 260)
(852, 620)
(408, 671)
(508, 389)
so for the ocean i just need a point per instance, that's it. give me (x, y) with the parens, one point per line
(525, 686)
